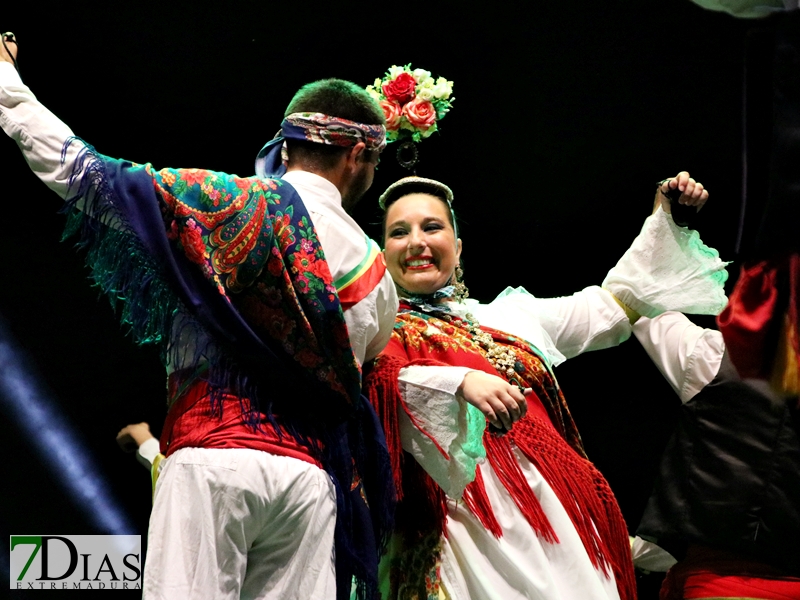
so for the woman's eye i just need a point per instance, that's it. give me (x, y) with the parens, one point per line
(433, 227)
(397, 232)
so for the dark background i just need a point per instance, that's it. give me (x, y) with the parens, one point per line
(565, 117)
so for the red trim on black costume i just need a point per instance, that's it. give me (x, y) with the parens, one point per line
(765, 292)
(710, 573)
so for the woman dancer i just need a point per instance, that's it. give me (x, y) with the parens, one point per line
(534, 519)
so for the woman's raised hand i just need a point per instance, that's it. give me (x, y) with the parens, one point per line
(503, 403)
(693, 192)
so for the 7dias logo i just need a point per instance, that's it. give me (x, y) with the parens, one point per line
(76, 562)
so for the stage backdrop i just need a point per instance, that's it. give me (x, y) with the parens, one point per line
(569, 111)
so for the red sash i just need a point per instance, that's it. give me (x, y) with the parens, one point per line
(191, 423)
(710, 573)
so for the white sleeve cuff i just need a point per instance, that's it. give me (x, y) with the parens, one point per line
(650, 557)
(442, 432)
(688, 356)
(148, 451)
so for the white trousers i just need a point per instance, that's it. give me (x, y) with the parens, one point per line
(238, 523)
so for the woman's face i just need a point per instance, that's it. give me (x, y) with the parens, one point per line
(421, 248)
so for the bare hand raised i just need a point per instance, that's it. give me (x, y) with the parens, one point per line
(502, 403)
(9, 48)
(131, 437)
(694, 194)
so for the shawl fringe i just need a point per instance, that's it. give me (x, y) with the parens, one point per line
(586, 497)
(138, 291)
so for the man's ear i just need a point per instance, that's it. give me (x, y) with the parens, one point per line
(356, 154)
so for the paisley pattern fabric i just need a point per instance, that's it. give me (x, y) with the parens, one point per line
(255, 243)
(335, 131)
(227, 277)
(317, 128)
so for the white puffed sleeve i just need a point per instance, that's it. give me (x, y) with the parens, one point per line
(37, 131)
(687, 355)
(669, 268)
(559, 328)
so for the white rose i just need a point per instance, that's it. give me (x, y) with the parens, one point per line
(377, 83)
(428, 83)
(443, 88)
(421, 75)
(394, 71)
(425, 93)
(373, 92)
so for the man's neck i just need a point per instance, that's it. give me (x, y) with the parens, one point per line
(334, 176)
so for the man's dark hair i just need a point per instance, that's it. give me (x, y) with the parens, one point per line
(336, 98)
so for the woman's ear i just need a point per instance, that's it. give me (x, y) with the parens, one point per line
(458, 248)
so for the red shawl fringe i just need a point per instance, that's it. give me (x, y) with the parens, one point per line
(580, 487)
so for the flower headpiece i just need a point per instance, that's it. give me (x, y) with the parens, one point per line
(412, 101)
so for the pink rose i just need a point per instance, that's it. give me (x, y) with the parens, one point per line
(393, 113)
(420, 113)
(401, 88)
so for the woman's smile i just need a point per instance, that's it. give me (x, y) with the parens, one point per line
(421, 248)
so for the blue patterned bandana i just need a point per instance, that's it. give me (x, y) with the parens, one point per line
(320, 129)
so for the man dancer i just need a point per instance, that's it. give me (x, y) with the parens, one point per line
(727, 497)
(262, 335)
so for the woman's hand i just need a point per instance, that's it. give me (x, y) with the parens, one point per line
(694, 194)
(502, 403)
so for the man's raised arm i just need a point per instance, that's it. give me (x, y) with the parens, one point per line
(38, 132)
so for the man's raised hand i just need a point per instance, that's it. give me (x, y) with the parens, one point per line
(9, 48)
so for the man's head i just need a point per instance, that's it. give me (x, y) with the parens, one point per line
(351, 169)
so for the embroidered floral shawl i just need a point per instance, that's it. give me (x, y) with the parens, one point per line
(238, 260)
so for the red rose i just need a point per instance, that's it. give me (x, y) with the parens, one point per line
(193, 245)
(275, 266)
(420, 113)
(401, 88)
(393, 113)
(173, 232)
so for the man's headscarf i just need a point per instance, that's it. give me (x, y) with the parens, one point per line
(318, 128)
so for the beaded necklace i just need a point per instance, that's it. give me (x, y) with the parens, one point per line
(502, 359)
